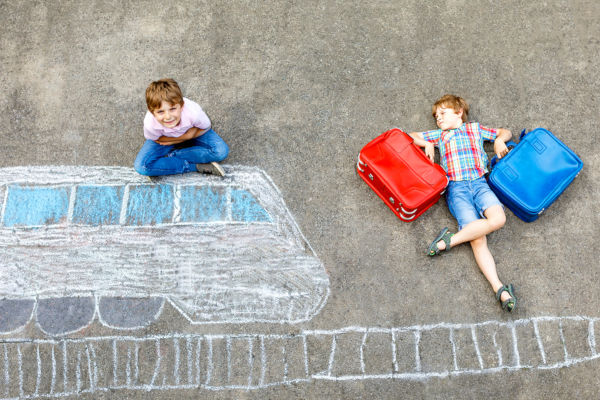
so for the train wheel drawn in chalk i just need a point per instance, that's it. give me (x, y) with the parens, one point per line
(80, 243)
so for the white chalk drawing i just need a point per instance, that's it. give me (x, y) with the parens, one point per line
(105, 241)
(32, 369)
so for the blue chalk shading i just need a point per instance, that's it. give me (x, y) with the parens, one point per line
(244, 207)
(203, 204)
(98, 205)
(150, 205)
(30, 206)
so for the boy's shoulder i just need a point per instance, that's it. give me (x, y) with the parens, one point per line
(471, 127)
(190, 105)
(470, 124)
(149, 119)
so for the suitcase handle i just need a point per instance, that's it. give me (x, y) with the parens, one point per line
(408, 212)
(510, 144)
(523, 133)
(359, 163)
(405, 218)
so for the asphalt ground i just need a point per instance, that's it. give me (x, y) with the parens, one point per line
(296, 89)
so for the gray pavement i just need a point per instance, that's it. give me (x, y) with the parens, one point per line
(296, 89)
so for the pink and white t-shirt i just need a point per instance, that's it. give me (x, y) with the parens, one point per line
(191, 115)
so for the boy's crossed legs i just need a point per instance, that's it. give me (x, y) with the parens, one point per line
(155, 159)
(466, 201)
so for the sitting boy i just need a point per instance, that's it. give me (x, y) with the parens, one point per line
(178, 135)
(471, 201)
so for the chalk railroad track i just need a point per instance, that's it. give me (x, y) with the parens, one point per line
(63, 367)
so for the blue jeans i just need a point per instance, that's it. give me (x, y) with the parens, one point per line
(155, 159)
(468, 200)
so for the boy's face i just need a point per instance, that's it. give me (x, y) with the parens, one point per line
(447, 118)
(168, 115)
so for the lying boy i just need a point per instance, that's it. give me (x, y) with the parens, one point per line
(470, 200)
(178, 135)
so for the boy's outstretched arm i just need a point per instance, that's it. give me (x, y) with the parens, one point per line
(419, 141)
(503, 136)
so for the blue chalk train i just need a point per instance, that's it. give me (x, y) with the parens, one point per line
(79, 244)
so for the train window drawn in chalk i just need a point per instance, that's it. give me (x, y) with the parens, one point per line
(106, 244)
(137, 205)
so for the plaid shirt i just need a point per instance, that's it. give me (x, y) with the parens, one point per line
(461, 150)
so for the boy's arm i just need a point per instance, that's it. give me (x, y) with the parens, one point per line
(503, 136)
(419, 141)
(191, 133)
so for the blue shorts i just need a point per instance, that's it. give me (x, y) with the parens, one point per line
(467, 200)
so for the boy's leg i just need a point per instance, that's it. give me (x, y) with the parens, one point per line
(494, 220)
(469, 202)
(487, 265)
(154, 159)
(203, 149)
(475, 232)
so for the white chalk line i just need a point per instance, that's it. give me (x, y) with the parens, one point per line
(592, 336)
(476, 344)
(454, 359)
(71, 208)
(539, 341)
(3, 209)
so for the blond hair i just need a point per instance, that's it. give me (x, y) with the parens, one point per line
(454, 102)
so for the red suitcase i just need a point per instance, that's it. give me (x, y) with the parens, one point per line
(401, 174)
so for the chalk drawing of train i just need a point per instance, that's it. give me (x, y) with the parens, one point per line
(79, 243)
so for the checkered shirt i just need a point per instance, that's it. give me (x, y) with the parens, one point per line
(461, 150)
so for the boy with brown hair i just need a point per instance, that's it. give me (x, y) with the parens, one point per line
(178, 135)
(470, 200)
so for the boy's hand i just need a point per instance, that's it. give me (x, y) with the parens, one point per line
(194, 132)
(168, 141)
(500, 148)
(430, 150)
(191, 133)
(427, 146)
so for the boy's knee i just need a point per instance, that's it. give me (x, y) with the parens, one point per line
(142, 171)
(479, 242)
(496, 217)
(140, 168)
(498, 221)
(221, 152)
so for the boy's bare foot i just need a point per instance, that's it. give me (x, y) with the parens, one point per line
(212, 168)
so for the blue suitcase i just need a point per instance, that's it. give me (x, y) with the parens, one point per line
(533, 174)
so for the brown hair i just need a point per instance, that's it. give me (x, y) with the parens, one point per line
(454, 102)
(163, 90)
